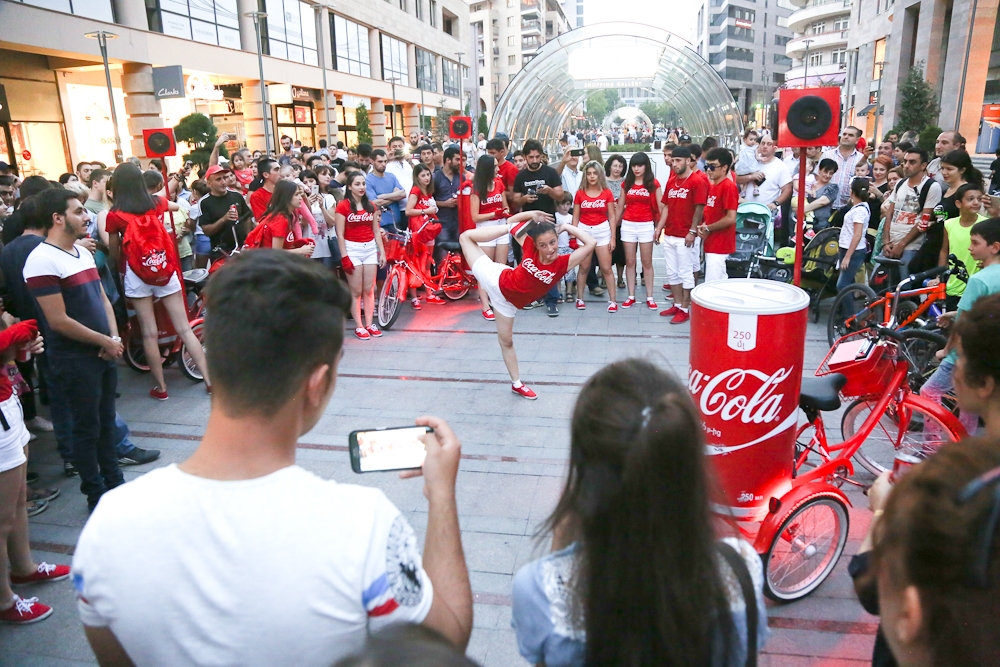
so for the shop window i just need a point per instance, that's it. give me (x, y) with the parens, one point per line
(99, 10)
(426, 71)
(432, 10)
(450, 78)
(350, 47)
(207, 22)
(290, 31)
(394, 63)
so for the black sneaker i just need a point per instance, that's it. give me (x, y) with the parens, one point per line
(553, 310)
(534, 304)
(69, 470)
(139, 456)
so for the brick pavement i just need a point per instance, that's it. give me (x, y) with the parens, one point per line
(445, 360)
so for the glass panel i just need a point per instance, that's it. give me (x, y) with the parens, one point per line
(227, 14)
(176, 26)
(203, 32)
(285, 116)
(295, 52)
(275, 21)
(176, 6)
(44, 142)
(203, 10)
(278, 49)
(293, 25)
(310, 57)
(308, 27)
(229, 38)
(99, 10)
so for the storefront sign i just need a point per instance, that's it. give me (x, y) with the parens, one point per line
(168, 82)
(26, 154)
(303, 94)
(596, 84)
(200, 88)
(302, 115)
(4, 107)
(989, 129)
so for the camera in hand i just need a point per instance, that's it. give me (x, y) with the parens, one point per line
(377, 450)
(577, 152)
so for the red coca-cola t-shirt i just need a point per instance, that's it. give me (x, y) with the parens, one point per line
(423, 201)
(722, 197)
(278, 226)
(681, 196)
(507, 173)
(494, 202)
(593, 210)
(639, 203)
(531, 279)
(244, 177)
(357, 224)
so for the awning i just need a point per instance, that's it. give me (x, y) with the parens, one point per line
(867, 110)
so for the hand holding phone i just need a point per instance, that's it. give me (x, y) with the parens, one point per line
(382, 449)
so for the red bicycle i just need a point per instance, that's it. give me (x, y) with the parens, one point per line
(407, 262)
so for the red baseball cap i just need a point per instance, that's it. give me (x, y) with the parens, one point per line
(215, 169)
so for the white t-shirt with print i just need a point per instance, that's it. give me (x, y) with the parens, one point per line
(776, 175)
(906, 210)
(186, 570)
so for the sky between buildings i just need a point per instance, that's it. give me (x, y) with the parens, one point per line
(677, 16)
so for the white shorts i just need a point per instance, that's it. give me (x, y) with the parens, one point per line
(362, 253)
(503, 240)
(601, 233)
(715, 266)
(637, 232)
(680, 270)
(12, 441)
(487, 273)
(136, 289)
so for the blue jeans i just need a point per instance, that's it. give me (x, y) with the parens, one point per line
(939, 384)
(906, 258)
(552, 296)
(848, 273)
(88, 385)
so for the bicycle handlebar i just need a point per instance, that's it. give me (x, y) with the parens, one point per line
(889, 333)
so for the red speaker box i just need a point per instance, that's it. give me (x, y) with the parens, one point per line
(809, 117)
(460, 127)
(159, 142)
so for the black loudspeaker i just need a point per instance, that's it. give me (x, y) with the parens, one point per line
(460, 127)
(159, 142)
(809, 117)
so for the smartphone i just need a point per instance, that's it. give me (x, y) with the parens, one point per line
(398, 448)
(315, 189)
(532, 191)
(577, 152)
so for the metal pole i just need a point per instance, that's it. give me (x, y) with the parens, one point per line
(322, 63)
(805, 78)
(421, 110)
(102, 39)
(878, 103)
(800, 218)
(257, 16)
(392, 117)
(461, 84)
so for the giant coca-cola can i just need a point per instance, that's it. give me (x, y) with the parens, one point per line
(747, 343)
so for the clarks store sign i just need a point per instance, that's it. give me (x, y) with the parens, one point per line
(168, 82)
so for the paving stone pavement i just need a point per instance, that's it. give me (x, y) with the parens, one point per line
(445, 360)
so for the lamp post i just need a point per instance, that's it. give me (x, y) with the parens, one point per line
(322, 64)
(805, 77)
(392, 115)
(878, 100)
(461, 84)
(257, 18)
(102, 37)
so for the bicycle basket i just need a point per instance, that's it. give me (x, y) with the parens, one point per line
(867, 363)
(395, 247)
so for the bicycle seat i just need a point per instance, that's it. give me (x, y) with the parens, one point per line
(888, 261)
(822, 393)
(450, 246)
(195, 276)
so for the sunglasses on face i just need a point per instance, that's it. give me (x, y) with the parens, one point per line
(712, 167)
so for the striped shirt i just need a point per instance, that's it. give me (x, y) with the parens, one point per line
(845, 173)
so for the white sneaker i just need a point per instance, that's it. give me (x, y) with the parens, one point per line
(38, 424)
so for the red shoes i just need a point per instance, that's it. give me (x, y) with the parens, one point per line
(669, 312)
(373, 331)
(681, 317)
(45, 572)
(435, 299)
(488, 315)
(524, 392)
(159, 394)
(24, 611)
(629, 302)
(362, 333)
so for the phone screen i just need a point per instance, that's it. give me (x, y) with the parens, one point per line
(315, 189)
(387, 449)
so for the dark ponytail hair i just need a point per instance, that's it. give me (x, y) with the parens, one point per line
(349, 195)
(130, 193)
(961, 160)
(637, 502)
(486, 173)
(648, 179)
(859, 188)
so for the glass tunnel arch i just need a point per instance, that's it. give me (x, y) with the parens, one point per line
(540, 99)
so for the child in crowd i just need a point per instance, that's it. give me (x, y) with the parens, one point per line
(854, 233)
(958, 237)
(823, 194)
(564, 216)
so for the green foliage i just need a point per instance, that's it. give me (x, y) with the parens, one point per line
(198, 131)
(484, 126)
(918, 105)
(928, 137)
(600, 103)
(363, 124)
(441, 121)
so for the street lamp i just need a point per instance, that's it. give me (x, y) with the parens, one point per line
(257, 18)
(322, 63)
(878, 101)
(102, 37)
(461, 84)
(805, 78)
(392, 116)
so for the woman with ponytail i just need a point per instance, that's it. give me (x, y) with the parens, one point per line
(638, 575)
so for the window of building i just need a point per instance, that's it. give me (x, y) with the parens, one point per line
(741, 13)
(510, 3)
(216, 23)
(402, 5)
(512, 61)
(818, 28)
(394, 63)
(426, 70)
(739, 53)
(779, 77)
(510, 40)
(781, 40)
(530, 42)
(718, 19)
(418, 7)
(528, 58)
(781, 59)
(350, 47)
(432, 11)
(510, 77)
(740, 34)
(548, 28)
(716, 58)
(449, 22)
(290, 31)
(738, 74)
(815, 59)
(717, 38)
(782, 21)
(450, 78)
(95, 9)
(510, 21)
(879, 58)
(841, 24)
(839, 57)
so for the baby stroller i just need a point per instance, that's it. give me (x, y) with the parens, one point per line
(754, 240)
(819, 268)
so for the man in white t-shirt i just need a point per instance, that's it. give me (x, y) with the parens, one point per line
(398, 165)
(239, 557)
(904, 233)
(602, 141)
(771, 184)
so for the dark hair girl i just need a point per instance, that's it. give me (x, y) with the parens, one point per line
(281, 200)
(365, 204)
(486, 173)
(647, 176)
(961, 161)
(131, 195)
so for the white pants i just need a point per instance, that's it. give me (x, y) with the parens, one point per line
(136, 289)
(362, 252)
(12, 441)
(715, 267)
(680, 270)
(696, 255)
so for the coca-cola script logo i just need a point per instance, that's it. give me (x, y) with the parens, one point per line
(596, 204)
(155, 260)
(359, 217)
(728, 394)
(541, 274)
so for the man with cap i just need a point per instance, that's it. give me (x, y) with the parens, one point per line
(225, 217)
(684, 140)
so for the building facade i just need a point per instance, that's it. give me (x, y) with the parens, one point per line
(745, 41)
(506, 35)
(57, 95)
(818, 47)
(574, 12)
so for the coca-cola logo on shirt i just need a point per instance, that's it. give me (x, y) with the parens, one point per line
(745, 393)
(543, 275)
(711, 201)
(638, 192)
(494, 199)
(593, 204)
(362, 216)
(678, 193)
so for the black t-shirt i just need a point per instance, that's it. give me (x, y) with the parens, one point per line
(213, 208)
(995, 168)
(545, 175)
(12, 259)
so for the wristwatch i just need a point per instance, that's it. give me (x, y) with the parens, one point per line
(116, 339)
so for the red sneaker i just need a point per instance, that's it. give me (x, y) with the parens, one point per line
(612, 307)
(488, 315)
(666, 288)
(362, 333)
(435, 299)
(45, 572)
(629, 302)
(672, 310)
(415, 302)
(373, 331)
(159, 394)
(681, 317)
(24, 611)
(580, 305)
(524, 391)
(651, 304)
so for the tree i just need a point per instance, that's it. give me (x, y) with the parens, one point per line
(363, 124)
(928, 138)
(600, 103)
(918, 105)
(441, 121)
(484, 126)
(199, 132)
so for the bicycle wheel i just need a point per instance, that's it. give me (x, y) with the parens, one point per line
(900, 426)
(188, 367)
(806, 549)
(921, 348)
(392, 294)
(862, 296)
(454, 285)
(135, 355)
